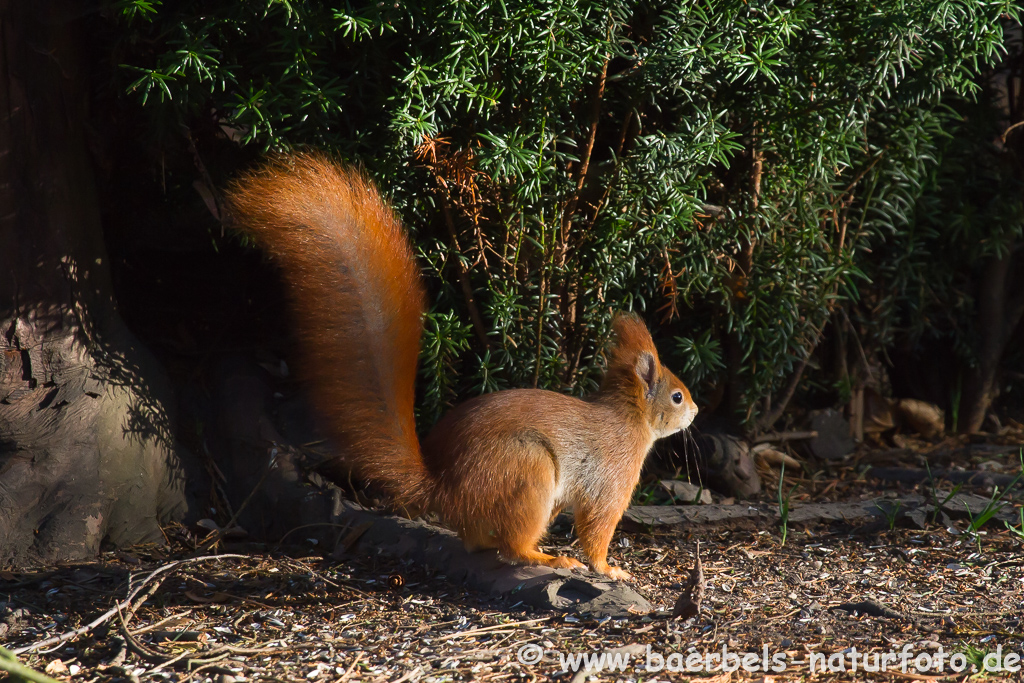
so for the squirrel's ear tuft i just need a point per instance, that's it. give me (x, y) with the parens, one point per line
(631, 335)
(647, 371)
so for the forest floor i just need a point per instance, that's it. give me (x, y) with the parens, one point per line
(835, 601)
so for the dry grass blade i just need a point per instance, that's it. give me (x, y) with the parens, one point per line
(496, 627)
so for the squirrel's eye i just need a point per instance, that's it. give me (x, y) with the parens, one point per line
(677, 397)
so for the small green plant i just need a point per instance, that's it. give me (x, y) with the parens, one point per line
(933, 491)
(696, 497)
(784, 504)
(891, 512)
(20, 672)
(975, 656)
(646, 494)
(994, 505)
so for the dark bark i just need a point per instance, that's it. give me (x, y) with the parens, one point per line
(1000, 308)
(86, 447)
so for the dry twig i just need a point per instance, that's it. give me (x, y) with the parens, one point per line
(127, 602)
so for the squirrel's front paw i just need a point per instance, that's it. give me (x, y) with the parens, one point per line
(618, 574)
(613, 572)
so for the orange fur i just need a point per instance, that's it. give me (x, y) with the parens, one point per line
(496, 468)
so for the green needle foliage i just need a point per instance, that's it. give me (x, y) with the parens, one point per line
(723, 165)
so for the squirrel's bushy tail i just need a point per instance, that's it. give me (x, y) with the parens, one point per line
(357, 300)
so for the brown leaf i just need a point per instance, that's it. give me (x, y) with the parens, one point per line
(354, 535)
(688, 604)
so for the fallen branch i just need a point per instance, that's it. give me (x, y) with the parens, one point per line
(126, 603)
(154, 656)
(348, 671)
(137, 603)
(544, 587)
(909, 475)
(205, 667)
(162, 622)
(785, 436)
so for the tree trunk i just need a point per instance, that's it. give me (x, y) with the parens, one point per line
(1000, 307)
(87, 453)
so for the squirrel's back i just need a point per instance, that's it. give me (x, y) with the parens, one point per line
(357, 301)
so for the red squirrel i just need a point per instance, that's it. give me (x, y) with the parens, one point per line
(497, 468)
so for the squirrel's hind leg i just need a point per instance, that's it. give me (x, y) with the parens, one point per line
(479, 537)
(527, 513)
(520, 545)
(476, 538)
(536, 557)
